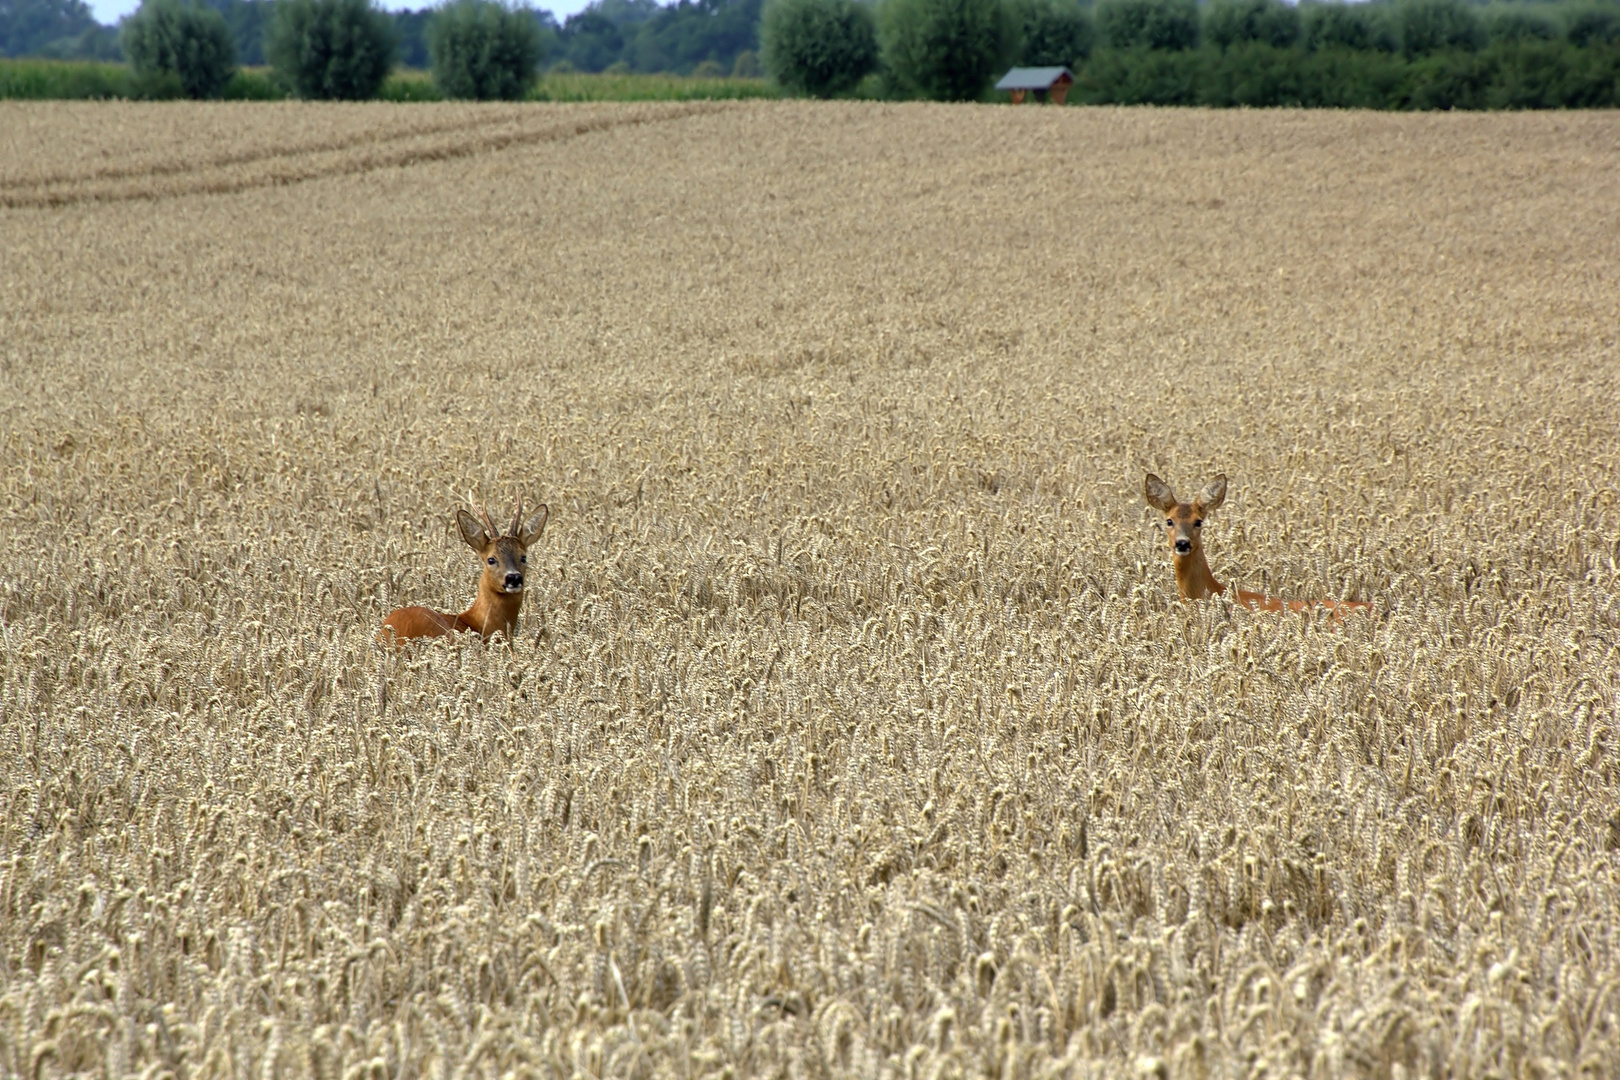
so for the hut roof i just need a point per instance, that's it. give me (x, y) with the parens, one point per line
(1033, 78)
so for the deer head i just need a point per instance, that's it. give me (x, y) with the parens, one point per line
(504, 557)
(1183, 526)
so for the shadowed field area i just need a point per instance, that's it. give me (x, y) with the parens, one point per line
(854, 727)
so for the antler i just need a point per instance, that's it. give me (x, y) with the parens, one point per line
(488, 524)
(517, 518)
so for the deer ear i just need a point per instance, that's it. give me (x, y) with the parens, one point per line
(472, 531)
(1214, 493)
(1158, 494)
(534, 526)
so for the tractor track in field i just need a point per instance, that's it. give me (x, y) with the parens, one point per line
(246, 170)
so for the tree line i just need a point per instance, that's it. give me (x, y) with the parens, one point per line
(1379, 54)
(711, 37)
(1402, 54)
(343, 49)
(320, 49)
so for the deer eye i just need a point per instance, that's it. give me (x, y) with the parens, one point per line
(1199, 524)
(1169, 523)
(523, 558)
(492, 562)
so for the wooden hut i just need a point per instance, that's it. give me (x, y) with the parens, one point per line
(1052, 82)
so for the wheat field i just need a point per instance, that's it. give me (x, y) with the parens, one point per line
(854, 727)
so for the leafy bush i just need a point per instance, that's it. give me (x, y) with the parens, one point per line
(746, 66)
(1233, 22)
(1530, 74)
(260, 85)
(1338, 78)
(1140, 76)
(1055, 33)
(947, 50)
(484, 51)
(408, 84)
(1257, 75)
(1526, 74)
(1252, 73)
(332, 49)
(1361, 27)
(167, 41)
(1431, 26)
(1598, 25)
(1451, 79)
(1148, 24)
(39, 80)
(818, 47)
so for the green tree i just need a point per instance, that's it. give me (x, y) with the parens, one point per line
(947, 50)
(332, 49)
(248, 22)
(1519, 23)
(169, 41)
(1595, 25)
(682, 35)
(1142, 76)
(1055, 33)
(411, 32)
(1532, 74)
(484, 51)
(1337, 25)
(1233, 22)
(1341, 78)
(1431, 26)
(65, 29)
(1148, 24)
(818, 47)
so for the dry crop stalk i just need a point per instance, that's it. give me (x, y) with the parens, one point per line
(853, 729)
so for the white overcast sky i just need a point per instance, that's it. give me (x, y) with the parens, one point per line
(110, 11)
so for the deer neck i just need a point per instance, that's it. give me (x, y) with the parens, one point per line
(492, 611)
(1193, 577)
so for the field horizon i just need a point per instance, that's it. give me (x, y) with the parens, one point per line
(854, 727)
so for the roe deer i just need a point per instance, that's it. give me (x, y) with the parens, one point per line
(500, 587)
(1184, 524)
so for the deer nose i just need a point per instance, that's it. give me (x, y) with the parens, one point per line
(1183, 545)
(514, 582)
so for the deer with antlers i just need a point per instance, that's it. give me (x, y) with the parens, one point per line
(500, 586)
(1184, 523)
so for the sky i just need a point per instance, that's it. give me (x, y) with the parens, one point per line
(110, 11)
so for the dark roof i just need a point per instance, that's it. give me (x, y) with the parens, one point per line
(1040, 78)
